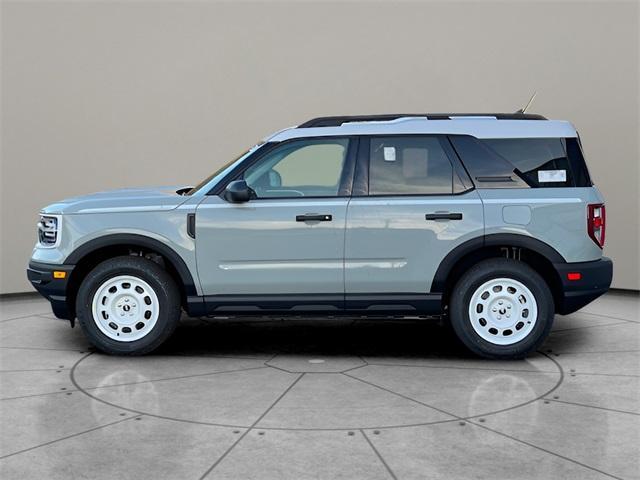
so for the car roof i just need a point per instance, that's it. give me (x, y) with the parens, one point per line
(479, 125)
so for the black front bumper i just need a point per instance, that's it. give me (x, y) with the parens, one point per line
(53, 289)
(595, 280)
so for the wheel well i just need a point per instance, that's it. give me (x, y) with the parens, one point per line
(93, 258)
(535, 260)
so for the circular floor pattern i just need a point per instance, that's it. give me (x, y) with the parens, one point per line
(295, 394)
(313, 392)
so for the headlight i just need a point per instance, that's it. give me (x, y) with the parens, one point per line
(48, 230)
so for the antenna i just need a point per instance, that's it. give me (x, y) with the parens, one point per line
(526, 107)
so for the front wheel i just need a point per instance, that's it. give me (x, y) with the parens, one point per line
(128, 306)
(501, 308)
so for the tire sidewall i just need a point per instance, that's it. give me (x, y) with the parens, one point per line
(158, 280)
(489, 270)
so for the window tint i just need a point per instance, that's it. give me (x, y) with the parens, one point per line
(409, 166)
(542, 162)
(302, 168)
(576, 163)
(486, 167)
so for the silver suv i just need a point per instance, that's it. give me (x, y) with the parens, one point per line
(489, 220)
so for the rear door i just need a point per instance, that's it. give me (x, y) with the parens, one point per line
(412, 205)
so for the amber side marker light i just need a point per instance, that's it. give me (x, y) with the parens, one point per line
(57, 274)
(574, 276)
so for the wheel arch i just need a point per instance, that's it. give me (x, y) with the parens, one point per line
(537, 254)
(87, 255)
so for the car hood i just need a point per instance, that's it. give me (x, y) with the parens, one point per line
(121, 200)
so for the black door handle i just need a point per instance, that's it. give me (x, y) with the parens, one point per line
(443, 216)
(313, 218)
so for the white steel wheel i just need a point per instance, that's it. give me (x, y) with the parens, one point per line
(125, 308)
(503, 311)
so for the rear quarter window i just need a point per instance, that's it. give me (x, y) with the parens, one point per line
(544, 162)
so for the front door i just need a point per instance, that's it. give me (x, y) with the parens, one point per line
(284, 248)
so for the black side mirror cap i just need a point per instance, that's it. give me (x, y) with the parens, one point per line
(237, 192)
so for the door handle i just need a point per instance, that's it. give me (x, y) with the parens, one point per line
(443, 216)
(313, 218)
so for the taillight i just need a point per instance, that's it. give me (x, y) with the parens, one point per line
(596, 220)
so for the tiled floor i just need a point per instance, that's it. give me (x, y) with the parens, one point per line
(320, 399)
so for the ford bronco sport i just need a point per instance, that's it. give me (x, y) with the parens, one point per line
(489, 220)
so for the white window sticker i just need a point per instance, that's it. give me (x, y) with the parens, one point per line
(389, 154)
(552, 176)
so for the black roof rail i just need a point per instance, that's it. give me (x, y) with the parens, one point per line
(339, 120)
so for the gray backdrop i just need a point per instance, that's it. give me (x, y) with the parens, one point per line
(100, 95)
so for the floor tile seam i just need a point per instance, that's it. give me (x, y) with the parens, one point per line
(460, 368)
(5, 347)
(608, 316)
(625, 375)
(67, 437)
(602, 351)
(569, 329)
(455, 417)
(17, 370)
(45, 394)
(22, 317)
(253, 425)
(585, 405)
(532, 445)
(379, 455)
(168, 379)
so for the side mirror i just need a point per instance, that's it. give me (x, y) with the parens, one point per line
(237, 192)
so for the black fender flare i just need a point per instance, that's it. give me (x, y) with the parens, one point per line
(139, 241)
(491, 240)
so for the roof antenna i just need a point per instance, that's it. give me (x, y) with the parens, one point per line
(526, 107)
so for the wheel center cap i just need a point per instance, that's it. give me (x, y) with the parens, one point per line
(502, 309)
(126, 308)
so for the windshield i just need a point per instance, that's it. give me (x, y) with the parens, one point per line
(222, 169)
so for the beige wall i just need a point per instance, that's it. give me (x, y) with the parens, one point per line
(99, 95)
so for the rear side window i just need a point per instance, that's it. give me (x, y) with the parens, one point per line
(412, 165)
(486, 168)
(576, 163)
(522, 162)
(544, 162)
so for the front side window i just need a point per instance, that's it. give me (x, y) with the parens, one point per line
(301, 168)
(411, 165)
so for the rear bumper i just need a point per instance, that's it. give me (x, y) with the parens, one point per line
(595, 280)
(53, 289)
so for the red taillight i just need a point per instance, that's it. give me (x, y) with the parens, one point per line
(596, 222)
(573, 276)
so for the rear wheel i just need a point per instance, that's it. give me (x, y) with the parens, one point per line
(128, 306)
(501, 308)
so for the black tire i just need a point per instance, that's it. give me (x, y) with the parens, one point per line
(157, 278)
(476, 277)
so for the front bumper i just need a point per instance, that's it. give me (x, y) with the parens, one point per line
(53, 289)
(595, 280)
